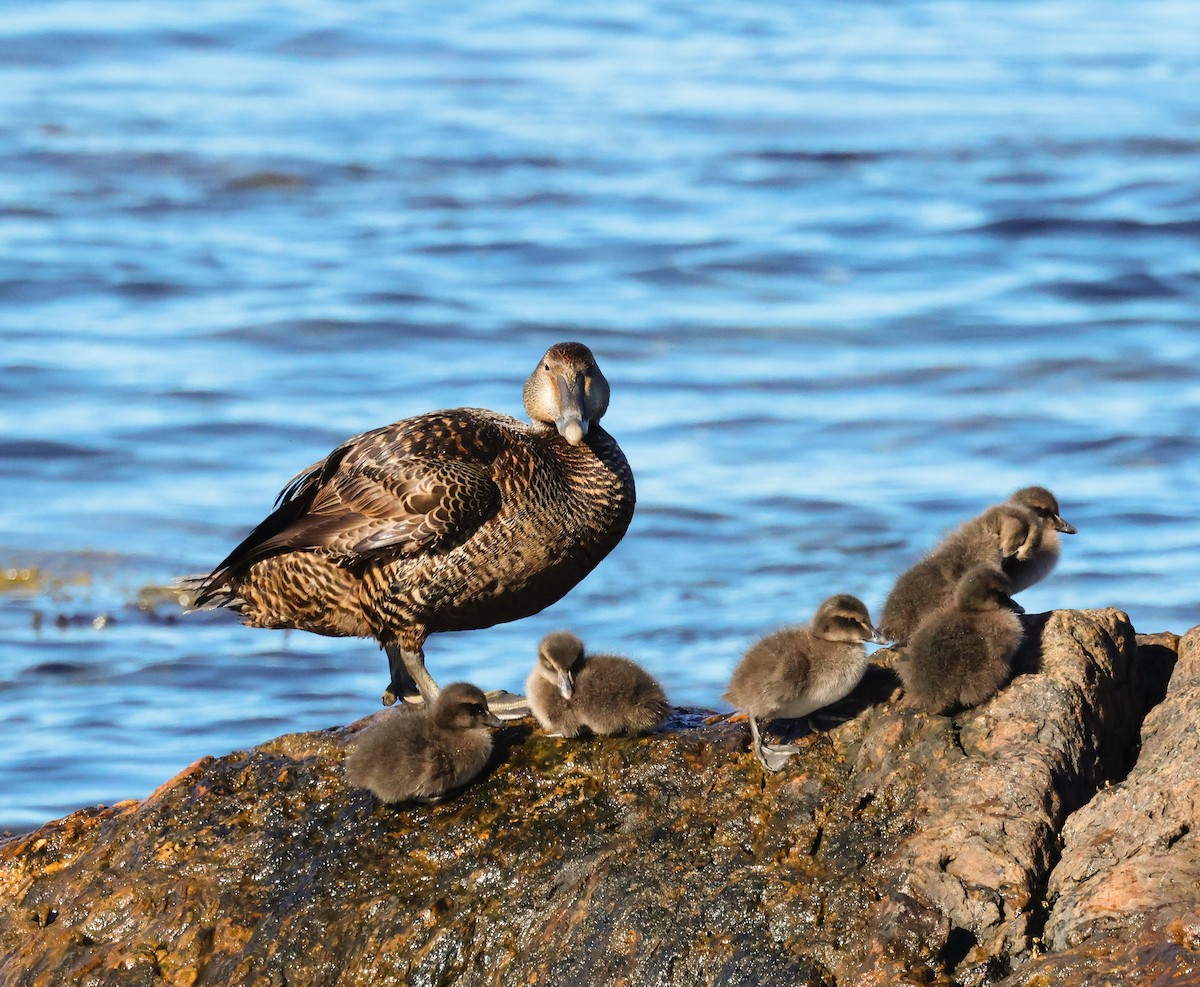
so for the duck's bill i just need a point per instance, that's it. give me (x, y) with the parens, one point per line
(572, 422)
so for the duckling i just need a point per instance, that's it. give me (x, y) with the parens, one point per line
(424, 753)
(454, 520)
(570, 691)
(798, 670)
(1038, 557)
(962, 655)
(1002, 532)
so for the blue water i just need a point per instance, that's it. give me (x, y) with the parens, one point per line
(854, 271)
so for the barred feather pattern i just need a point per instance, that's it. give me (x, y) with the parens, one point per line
(453, 520)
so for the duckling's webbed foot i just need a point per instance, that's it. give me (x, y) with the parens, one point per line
(773, 757)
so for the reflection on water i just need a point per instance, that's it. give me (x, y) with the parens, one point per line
(853, 272)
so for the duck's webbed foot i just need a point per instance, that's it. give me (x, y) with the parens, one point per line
(411, 681)
(401, 685)
(507, 705)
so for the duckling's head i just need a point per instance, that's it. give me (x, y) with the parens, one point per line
(462, 706)
(984, 587)
(559, 656)
(844, 618)
(567, 390)
(1044, 504)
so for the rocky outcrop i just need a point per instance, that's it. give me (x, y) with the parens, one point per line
(1125, 898)
(897, 847)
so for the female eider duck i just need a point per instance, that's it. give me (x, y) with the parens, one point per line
(570, 691)
(962, 654)
(424, 753)
(798, 670)
(449, 521)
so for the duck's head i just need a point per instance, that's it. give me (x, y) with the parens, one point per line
(1045, 505)
(567, 390)
(559, 656)
(462, 706)
(844, 618)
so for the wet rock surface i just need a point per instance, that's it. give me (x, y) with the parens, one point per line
(898, 847)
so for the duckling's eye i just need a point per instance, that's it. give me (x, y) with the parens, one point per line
(546, 367)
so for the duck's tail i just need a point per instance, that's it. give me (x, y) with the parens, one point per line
(206, 591)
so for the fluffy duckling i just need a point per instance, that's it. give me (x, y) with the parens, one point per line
(419, 754)
(1005, 531)
(798, 670)
(569, 691)
(1040, 554)
(962, 655)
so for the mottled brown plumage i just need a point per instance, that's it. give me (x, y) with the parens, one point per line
(424, 753)
(570, 691)
(453, 520)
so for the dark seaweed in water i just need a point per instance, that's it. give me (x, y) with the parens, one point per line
(853, 271)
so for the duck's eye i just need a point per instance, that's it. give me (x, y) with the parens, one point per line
(546, 367)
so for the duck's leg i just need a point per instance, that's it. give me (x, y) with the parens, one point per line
(772, 757)
(409, 674)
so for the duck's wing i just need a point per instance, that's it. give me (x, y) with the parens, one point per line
(405, 508)
(419, 484)
(413, 486)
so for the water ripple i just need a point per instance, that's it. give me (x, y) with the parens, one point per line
(853, 272)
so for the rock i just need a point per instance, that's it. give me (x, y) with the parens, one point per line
(898, 847)
(992, 788)
(1125, 897)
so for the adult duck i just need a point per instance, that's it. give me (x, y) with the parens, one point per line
(448, 521)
